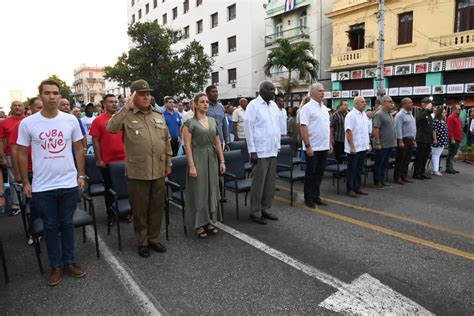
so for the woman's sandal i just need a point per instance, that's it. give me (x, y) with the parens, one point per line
(211, 229)
(201, 232)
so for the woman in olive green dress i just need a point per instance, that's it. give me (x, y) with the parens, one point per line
(205, 157)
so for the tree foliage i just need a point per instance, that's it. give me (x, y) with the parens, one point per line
(64, 89)
(168, 72)
(292, 57)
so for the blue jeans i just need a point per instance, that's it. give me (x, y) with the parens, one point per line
(355, 167)
(382, 157)
(56, 209)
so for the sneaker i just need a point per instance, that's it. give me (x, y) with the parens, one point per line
(30, 241)
(14, 212)
(75, 271)
(437, 173)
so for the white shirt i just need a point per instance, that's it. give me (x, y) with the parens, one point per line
(186, 116)
(370, 125)
(357, 122)
(315, 116)
(262, 128)
(283, 122)
(471, 128)
(239, 117)
(51, 142)
(87, 122)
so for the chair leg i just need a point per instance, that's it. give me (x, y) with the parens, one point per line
(167, 221)
(83, 234)
(291, 193)
(237, 204)
(25, 226)
(246, 194)
(4, 262)
(119, 237)
(184, 222)
(337, 183)
(36, 243)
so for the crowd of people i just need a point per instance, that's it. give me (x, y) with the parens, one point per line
(45, 151)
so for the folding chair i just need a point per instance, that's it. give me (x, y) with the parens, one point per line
(235, 179)
(95, 182)
(337, 169)
(242, 146)
(176, 182)
(3, 259)
(286, 170)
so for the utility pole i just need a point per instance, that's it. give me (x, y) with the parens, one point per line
(381, 42)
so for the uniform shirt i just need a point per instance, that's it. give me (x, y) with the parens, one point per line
(337, 123)
(262, 128)
(239, 117)
(315, 116)
(51, 141)
(147, 142)
(358, 123)
(173, 121)
(384, 121)
(441, 130)
(283, 122)
(405, 124)
(424, 127)
(455, 127)
(217, 112)
(6, 127)
(111, 144)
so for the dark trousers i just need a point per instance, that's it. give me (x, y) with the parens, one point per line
(339, 151)
(403, 158)
(355, 167)
(56, 209)
(175, 147)
(422, 153)
(314, 174)
(382, 156)
(108, 197)
(147, 199)
(452, 151)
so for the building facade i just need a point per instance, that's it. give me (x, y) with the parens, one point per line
(428, 50)
(232, 32)
(300, 21)
(89, 84)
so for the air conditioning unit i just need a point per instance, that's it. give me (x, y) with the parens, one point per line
(233, 85)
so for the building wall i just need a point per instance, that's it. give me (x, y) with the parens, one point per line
(89, 84)
(248, 27)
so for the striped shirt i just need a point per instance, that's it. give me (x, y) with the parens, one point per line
(337, 123)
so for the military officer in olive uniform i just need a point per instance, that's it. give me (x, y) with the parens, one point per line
(148, 150)
(424, 138)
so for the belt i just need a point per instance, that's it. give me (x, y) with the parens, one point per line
(408, 137)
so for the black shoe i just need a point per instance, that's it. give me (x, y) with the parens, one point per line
(425, 176)
(269, 216)
(418, 177)
(319, 202)
(143, 251)
(258, 220)
(455, 171)
(223, 200)
(111, 220)
(450, 171)
(14, 212)
(158, 247)
(406, 180)
(310, 204)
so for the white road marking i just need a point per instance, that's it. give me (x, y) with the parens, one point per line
(148, 304)
(365, 295)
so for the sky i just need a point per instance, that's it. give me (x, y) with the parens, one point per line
(39, 38)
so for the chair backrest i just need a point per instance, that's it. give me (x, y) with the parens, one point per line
(285, 140)
(118, 179)
(234, 164)
(179, 170)
(242, 145)
(94, 174)
(285, 157)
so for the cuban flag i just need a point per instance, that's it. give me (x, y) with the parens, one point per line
(289, 5)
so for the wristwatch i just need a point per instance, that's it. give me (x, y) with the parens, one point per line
(307, 145)
(83, 177)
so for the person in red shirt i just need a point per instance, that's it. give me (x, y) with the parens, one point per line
(455, 137)
(108, 147)
(6, 126)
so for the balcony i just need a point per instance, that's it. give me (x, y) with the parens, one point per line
(77, 82)
(293, 35)
(461, 41)
(358, 57)
(278, 7)
(92, 92)
(91, 79)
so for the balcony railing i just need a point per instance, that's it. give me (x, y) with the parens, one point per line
(450, 42)
(354, 57)
(291, 34)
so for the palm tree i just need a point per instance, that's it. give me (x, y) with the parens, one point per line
(292, 57)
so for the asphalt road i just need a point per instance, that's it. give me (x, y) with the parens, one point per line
(416, 239)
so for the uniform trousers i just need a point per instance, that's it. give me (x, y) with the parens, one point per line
(422, 154)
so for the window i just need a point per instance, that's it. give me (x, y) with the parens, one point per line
(356, 35)
(232, 44)
(199, 27)
(302, 23)
(147, 8)
(165, 19)
(231, 12)
(186, 32)
(464, 15)
(405, 28)
(198, 3)
(133, 18)
(215, 78)
(91, 75)
(215, 49)
(133, 3)
(214, 20)
(139, 14)
(185, 6)
(155, 3)
(175, 13)
(279, 29)
(232, 74)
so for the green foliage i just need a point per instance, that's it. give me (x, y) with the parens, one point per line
(64, 89)
(151, 58)
(467, 149)
(292, 57)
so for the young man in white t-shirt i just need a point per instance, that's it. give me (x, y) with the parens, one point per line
(52, 135)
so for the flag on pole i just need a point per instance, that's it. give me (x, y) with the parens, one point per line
(289, 5)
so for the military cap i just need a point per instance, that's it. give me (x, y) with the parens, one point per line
(140, 86)
(427, 100)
